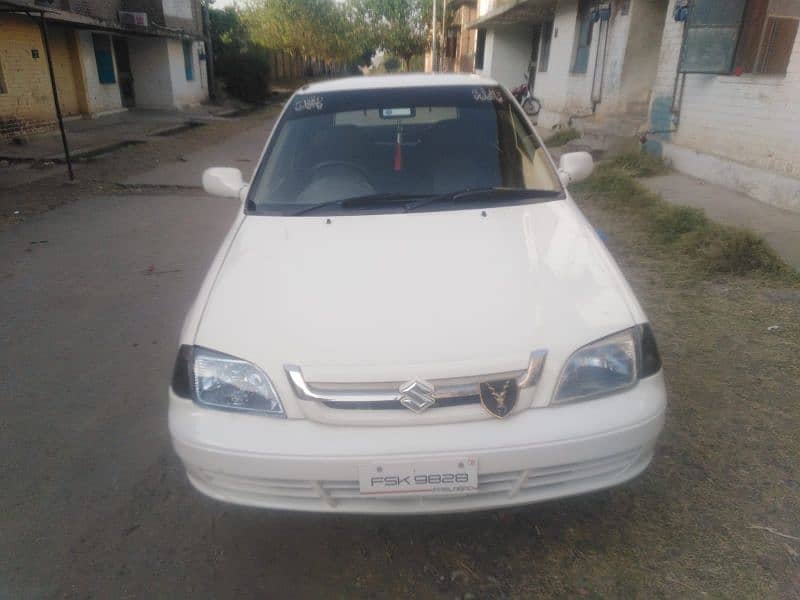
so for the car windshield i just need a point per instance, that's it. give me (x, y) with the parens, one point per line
(378, 150)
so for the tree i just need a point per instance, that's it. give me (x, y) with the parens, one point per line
(241, 63)
(228, 33)
(310, 28)
(400, 27)
(391, 64)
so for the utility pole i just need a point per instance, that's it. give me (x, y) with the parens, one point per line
(443, 49)
(433, 43)
(212, 88)
(67, 158)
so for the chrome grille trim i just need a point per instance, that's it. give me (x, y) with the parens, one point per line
(386, 395)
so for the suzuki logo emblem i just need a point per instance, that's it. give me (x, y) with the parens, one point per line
(417, 395)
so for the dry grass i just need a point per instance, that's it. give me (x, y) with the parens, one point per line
(640, 164)
(706, 246)
(562, 136)
(727, 460)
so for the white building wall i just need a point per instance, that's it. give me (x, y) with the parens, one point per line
(151, 72)
(551, 86)
(485, 6)
(186, 93)
(579, 85)
(101, 98)
(178, 8)
(564, 93)
(507, 54)
(751, 120)
(612, 93)
(645, 25)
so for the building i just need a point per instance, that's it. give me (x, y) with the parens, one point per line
(458, 40)
(586, 59)
(725, 103)
(710, 84)
(108, 56)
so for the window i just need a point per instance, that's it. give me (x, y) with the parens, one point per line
(103, 58)
(740, 36)
(583, 42)
(188, 62)
(767, 37)
(544, 53)
(337, 145)
(480, 48)
(3, 88)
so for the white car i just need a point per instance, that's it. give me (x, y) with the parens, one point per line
(410, 315)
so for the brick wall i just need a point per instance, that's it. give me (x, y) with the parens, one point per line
(27, 107)
(752, 119)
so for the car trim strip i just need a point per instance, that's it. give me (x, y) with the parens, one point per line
(350, 395)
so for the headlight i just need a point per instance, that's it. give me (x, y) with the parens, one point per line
(222, 381)
(609, 365)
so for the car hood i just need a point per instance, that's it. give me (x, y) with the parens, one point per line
(394, 296)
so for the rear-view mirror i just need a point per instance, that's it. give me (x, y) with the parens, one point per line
(223, 181)
(575, 166)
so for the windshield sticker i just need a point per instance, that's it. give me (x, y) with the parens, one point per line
(310, 103)
(487, 95)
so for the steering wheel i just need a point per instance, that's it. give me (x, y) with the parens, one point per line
(339, 163)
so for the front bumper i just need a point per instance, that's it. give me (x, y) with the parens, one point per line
(536, 455)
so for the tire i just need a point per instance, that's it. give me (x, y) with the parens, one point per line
(532, 106)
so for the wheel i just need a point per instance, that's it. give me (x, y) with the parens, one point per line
(532, 106)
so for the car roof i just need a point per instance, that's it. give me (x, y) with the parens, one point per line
(375, 82)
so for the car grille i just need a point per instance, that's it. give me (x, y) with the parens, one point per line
(513, 487)
(464, 400)
(439, 393)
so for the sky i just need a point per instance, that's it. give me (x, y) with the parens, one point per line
(223, 3)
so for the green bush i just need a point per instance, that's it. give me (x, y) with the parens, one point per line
(740, 251)
(391, 64)
(672, 222)
(242, 65)
(246, 75)
(617, 189)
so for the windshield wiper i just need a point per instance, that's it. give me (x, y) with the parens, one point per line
(494, 194)
(357, 202)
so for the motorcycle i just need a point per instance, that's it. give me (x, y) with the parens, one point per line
(529, 103)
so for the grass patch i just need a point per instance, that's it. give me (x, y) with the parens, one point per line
(640, 164)
(679, 230)
(562, 136)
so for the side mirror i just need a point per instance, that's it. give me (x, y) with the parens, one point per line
(575, 166)
(223, 181)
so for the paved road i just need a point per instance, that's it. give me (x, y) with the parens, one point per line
(94, 502)
(241, 151)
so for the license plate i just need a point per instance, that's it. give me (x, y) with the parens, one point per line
(450, 476)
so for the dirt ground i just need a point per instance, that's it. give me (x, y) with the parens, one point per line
(710, 517)
(100, 175)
